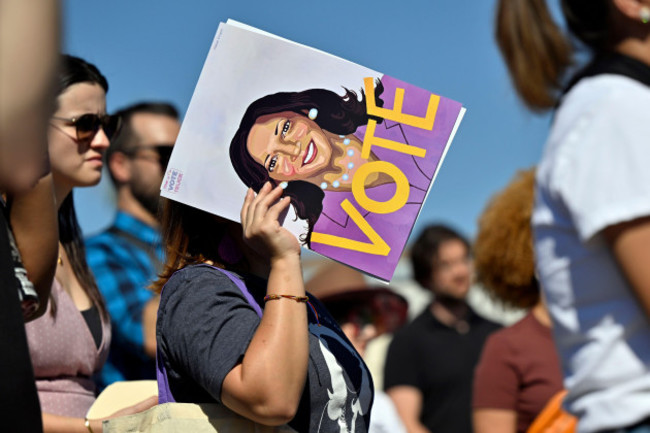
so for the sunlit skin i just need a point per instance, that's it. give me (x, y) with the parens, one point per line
(452, 270)
(147, 174)
(73, 163)
(294, 147)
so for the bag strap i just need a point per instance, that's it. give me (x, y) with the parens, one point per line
(164, 392)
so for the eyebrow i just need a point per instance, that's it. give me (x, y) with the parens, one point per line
(276, 126)
(266, 159)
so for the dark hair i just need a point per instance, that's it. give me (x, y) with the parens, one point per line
(503, 250)
(537, 52)
(192, 236)
(73, 71)
(125, 140)
(425, 250)
(336, 114)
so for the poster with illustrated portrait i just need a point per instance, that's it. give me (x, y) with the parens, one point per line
(356, 151)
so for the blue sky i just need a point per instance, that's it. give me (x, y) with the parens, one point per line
(154, 50)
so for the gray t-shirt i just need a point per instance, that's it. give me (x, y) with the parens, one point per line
(205, 325)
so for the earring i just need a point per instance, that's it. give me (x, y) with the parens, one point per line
(313, 113)
(644, 14)
(323, 185)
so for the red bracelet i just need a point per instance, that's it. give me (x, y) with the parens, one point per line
(304, 299)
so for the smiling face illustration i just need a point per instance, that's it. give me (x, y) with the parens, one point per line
(290, 147)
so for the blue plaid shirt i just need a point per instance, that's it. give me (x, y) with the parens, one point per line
(125, 259)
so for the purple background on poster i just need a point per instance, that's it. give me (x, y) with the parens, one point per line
(394, 228)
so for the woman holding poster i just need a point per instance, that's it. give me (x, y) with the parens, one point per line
(235, 325)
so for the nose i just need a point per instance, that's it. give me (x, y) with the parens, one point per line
(100, 141)
(287, 147)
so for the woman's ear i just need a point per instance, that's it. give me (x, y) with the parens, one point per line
(120, 167)
(635, 10)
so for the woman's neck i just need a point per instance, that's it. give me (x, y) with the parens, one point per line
(60, 192)
(541, 314)
(341, 160)
(631, 38)
(636, 49)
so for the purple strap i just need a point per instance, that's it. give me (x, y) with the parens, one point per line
(164, 393)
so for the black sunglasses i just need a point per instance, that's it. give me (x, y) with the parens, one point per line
(164, 152)
(87, 125)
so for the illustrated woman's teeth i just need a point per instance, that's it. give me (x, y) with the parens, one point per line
(310, 154)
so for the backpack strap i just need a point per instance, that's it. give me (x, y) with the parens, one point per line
(164, 393)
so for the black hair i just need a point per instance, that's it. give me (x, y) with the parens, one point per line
(337, 114)
(74, 70)
(425, 249)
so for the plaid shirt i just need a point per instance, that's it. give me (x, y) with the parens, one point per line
(125, 259)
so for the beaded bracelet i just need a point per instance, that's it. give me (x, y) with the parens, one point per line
(304, 299)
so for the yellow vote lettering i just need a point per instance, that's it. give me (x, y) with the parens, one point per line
(377, 246)
(398, 200)
(370, 140)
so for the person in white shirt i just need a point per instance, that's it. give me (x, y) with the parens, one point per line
(591, 219)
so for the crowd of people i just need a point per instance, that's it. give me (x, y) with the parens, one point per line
(218, 313)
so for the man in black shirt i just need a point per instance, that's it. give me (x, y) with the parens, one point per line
(430, 362)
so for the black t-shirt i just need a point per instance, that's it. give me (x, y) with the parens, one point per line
(205, 325)
(18, 398)
(439, 361)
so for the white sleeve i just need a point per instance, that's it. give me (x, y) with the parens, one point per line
(604, 177)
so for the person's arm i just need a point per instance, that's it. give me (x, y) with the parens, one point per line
(408, 402)
(494, 421)
(34, 224)
(65, 424)
(29, 55)
(630, 244)
(267, 385)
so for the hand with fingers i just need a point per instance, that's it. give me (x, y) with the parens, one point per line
(261, 227)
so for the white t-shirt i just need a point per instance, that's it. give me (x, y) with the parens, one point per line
(595, 172)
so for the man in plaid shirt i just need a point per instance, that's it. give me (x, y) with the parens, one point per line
(127, 257)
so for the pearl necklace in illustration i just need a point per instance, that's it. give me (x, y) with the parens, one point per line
(313, 113)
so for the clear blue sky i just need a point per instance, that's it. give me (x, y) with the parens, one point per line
(155, 50)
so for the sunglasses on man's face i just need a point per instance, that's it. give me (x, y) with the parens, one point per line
(87, 125)
(164, 152)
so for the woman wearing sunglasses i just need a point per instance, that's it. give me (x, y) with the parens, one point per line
(69, 343)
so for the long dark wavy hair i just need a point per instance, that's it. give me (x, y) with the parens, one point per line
(338, 114)
(74, 70)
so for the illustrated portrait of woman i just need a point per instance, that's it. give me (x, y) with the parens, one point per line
(306, 139)
(312, 141)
